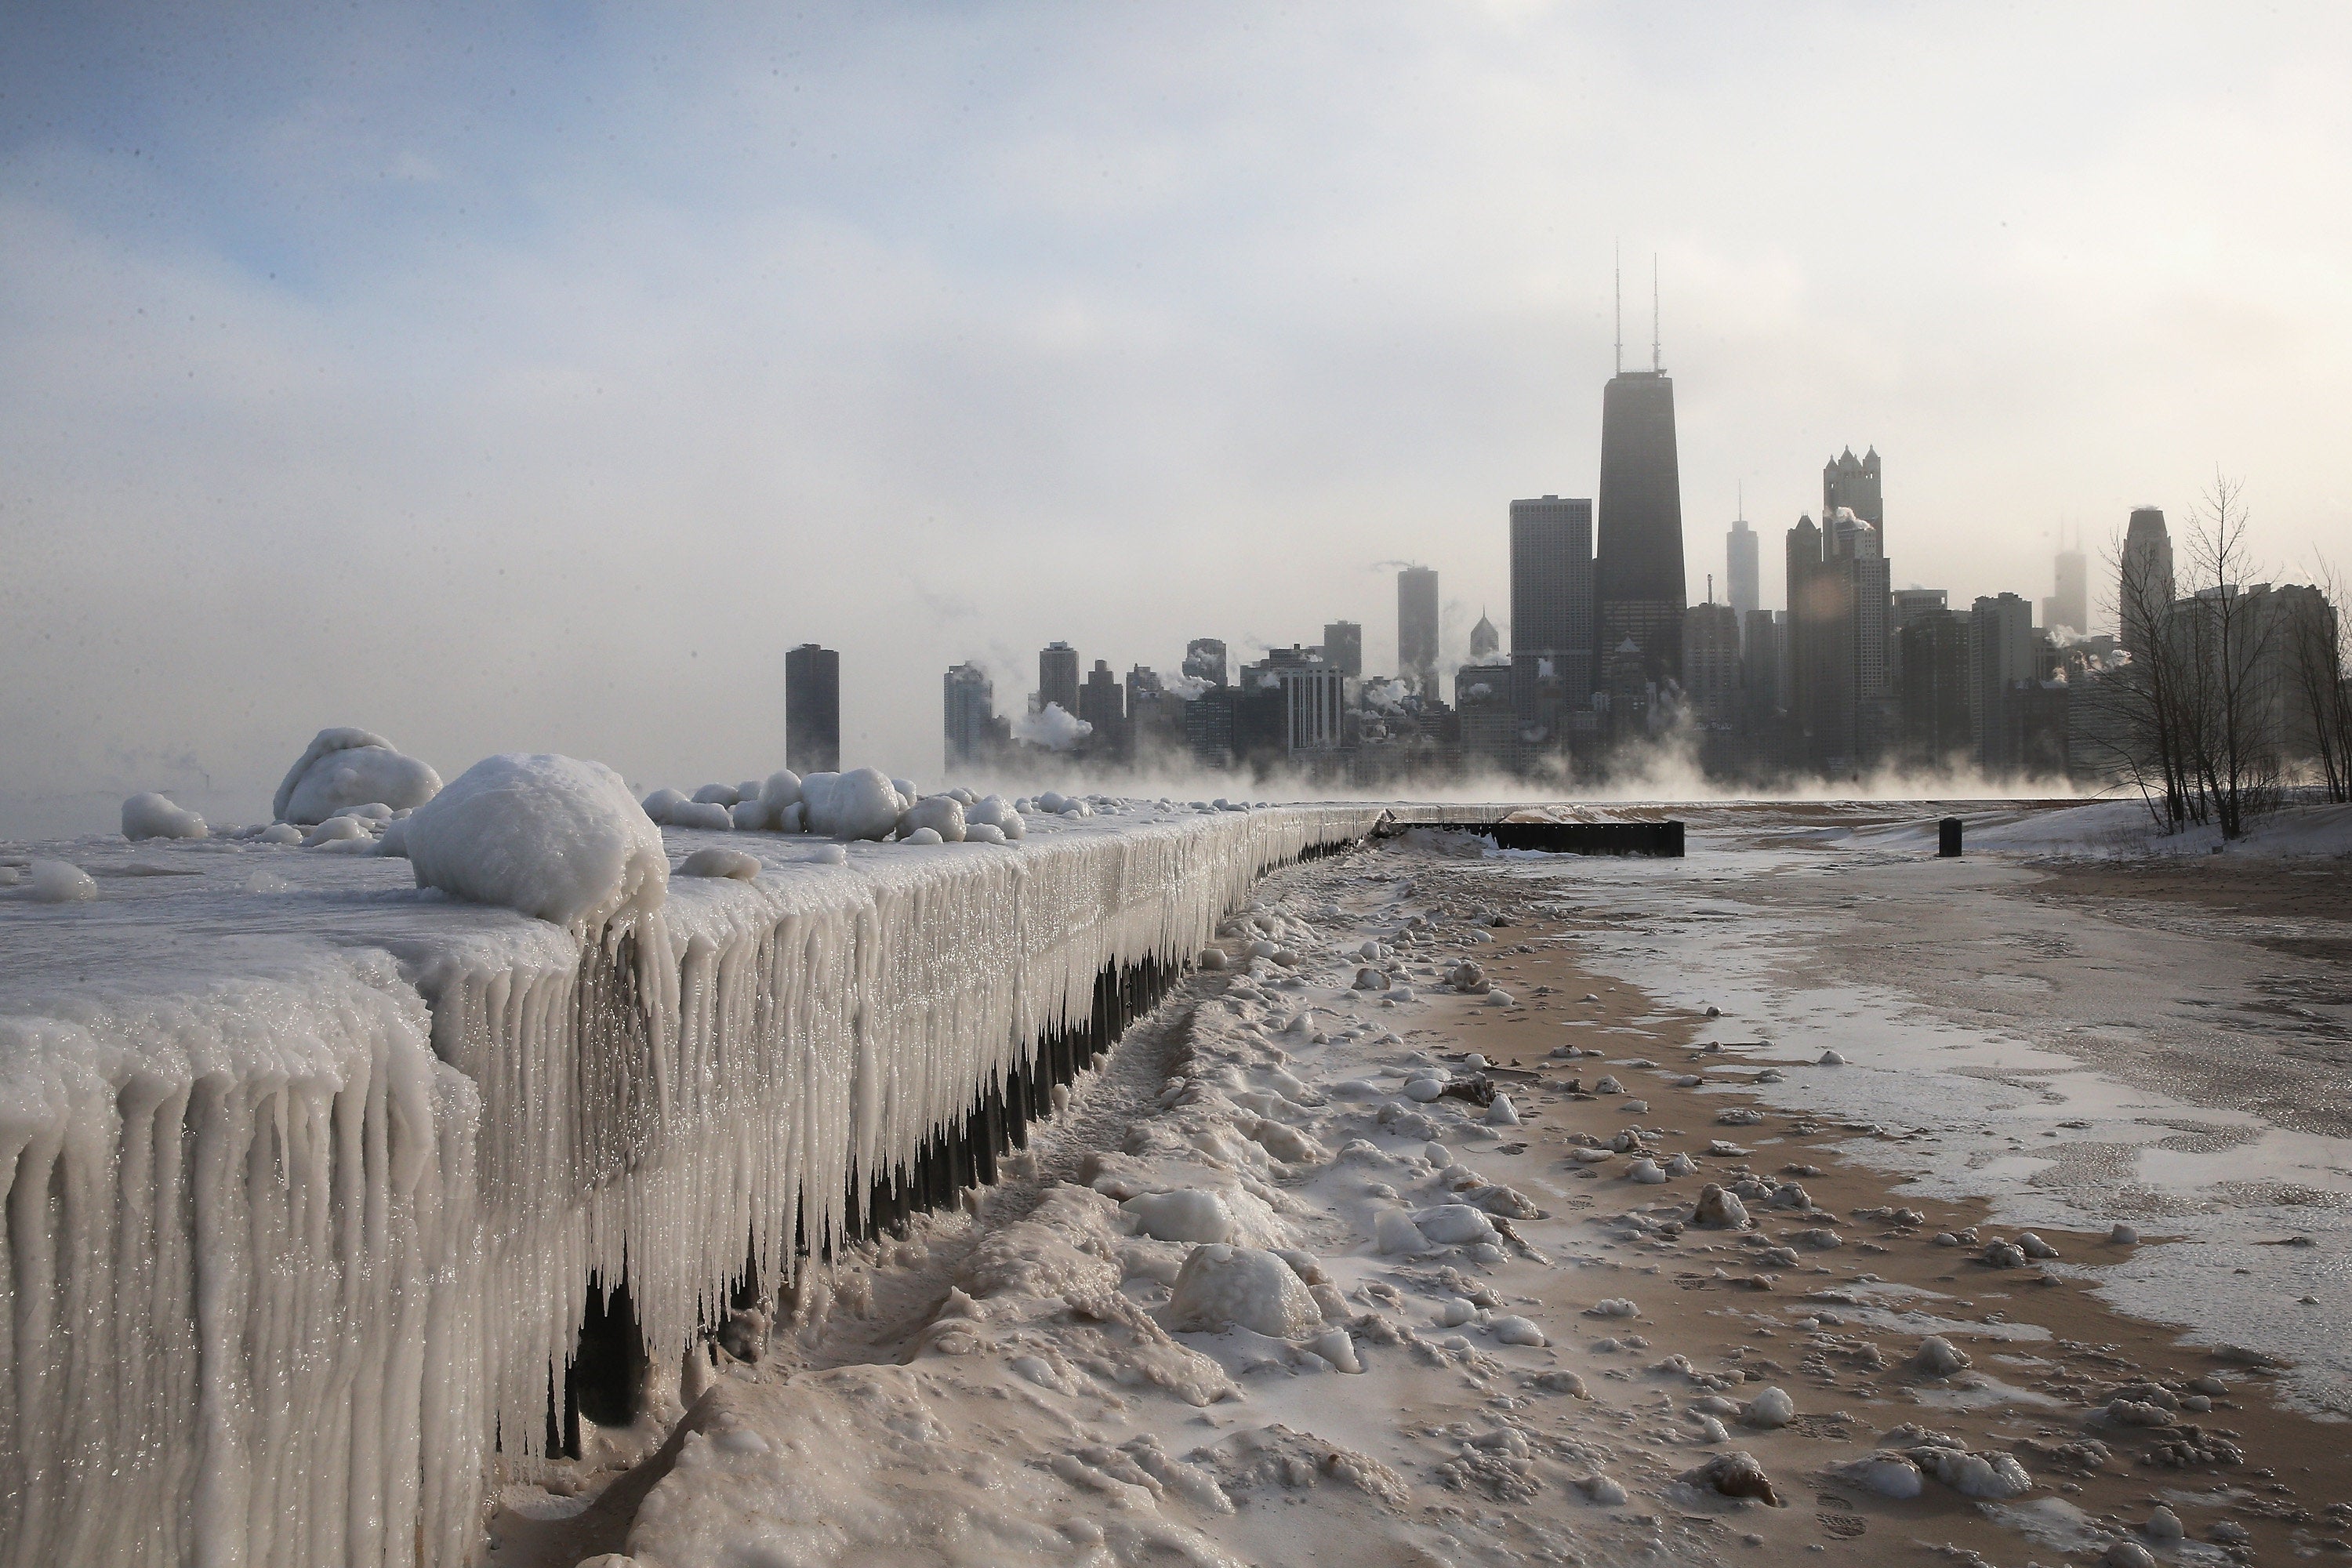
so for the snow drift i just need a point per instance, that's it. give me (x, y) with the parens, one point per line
(346, 767)
(551, 837)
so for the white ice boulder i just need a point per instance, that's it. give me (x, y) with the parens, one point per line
(943, 814)
(1185, 1215)
(752, 815)
(61, 882)
(661, 803)
(706, 814)
(715, 795)
(1455, 1224)
(859, 804)
(996, 812)
(150, 815)
(345, 767)
(782, 789)
(716, 861)
(1221, 1286)
(552, 837)
(1394, 1233)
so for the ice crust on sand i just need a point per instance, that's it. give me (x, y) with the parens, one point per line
(551, 836)
(346, 767)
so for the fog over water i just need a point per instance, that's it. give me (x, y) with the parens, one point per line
(498, 379)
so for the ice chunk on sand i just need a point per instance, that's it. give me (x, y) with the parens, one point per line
(150, 815)
(1888, 1475)
(1187, 1214)
(551, 836)
(1394, 1231)
(1773, 1408)
(1517, 1331)
(1221, 1286)
(351, 767)
(859, 804)
(1455, 1224)
(61, 882)
(1939, 1357)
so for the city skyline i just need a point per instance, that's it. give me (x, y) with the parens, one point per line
(914, 335)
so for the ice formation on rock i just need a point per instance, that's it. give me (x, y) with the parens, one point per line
(325, 1219)
(551, 836)
(345, 767)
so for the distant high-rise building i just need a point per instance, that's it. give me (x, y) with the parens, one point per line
(812, 710)
(1711, 683)
(1933, 645)
(2144, 593)
(2001, 656)
(1417, 628)
(1741, 581)
(1057, 678)
(1315, 701)
(1760, 675)
(1552, 591)
(970, 710)
(1343, 646)
(1485, 640)
(1903, 606)
(1852, 482)
(1837, 700)
(1204, 660)
(2070, 607)
(1640, 590)
(1102, 704)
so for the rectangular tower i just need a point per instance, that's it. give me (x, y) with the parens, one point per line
(1343, 646)
(812, 710)
(1057, 678)
(1204, 660)
(1552, 589)
(971, 714)
(1739, 560)
(1639, 559)
(1417, 628)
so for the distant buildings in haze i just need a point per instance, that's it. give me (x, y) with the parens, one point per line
(1417, 621)
(812, 710)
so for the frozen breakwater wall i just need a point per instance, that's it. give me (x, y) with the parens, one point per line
(306, 1172)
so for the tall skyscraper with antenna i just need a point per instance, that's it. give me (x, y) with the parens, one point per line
(1639, 569)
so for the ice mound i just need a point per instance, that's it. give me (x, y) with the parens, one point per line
(150, 815)
(346, 767)
(61, 882)
(943, 814)
(860, 804)
(994, 811)
(716, 861)
(551, 836)
(1222, 1286)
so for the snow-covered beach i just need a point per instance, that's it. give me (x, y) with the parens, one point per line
(1347, 1252)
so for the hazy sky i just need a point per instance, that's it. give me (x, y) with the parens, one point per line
(530, 379)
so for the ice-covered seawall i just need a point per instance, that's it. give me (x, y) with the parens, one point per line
(306, 1172)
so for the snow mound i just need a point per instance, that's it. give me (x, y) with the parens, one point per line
(1220, 1286)
(716, 861)
(859, 804)
(1186, 1215)
(150, 815)
(61, 882)
(345, 767)
(552, 837)
(943, 814)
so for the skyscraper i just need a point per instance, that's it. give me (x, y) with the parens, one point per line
(1552, 593)
(971, 714)
(1711, 662)
(812, 710)
(1639, 568)
(1417, 628)
(1204, 660)
(2001, 646)
(1343, 647)
(1057, 678)
(2144, 593)
(2070, 605)
(1852, 482)
(1485, 640)
(1838, 701)
(1740, 559)
(1101, 702)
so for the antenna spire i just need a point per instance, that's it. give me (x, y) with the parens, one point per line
(1621, 307)
(1657, 351)
(1743, 502)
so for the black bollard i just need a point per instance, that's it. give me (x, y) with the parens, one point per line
(1948, 838)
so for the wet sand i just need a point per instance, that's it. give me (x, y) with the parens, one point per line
(2047, 1352)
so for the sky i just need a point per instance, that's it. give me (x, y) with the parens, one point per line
(511, 378)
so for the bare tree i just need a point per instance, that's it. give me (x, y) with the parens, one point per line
(2319, 661)
(2228, 638)
(2145, 736)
